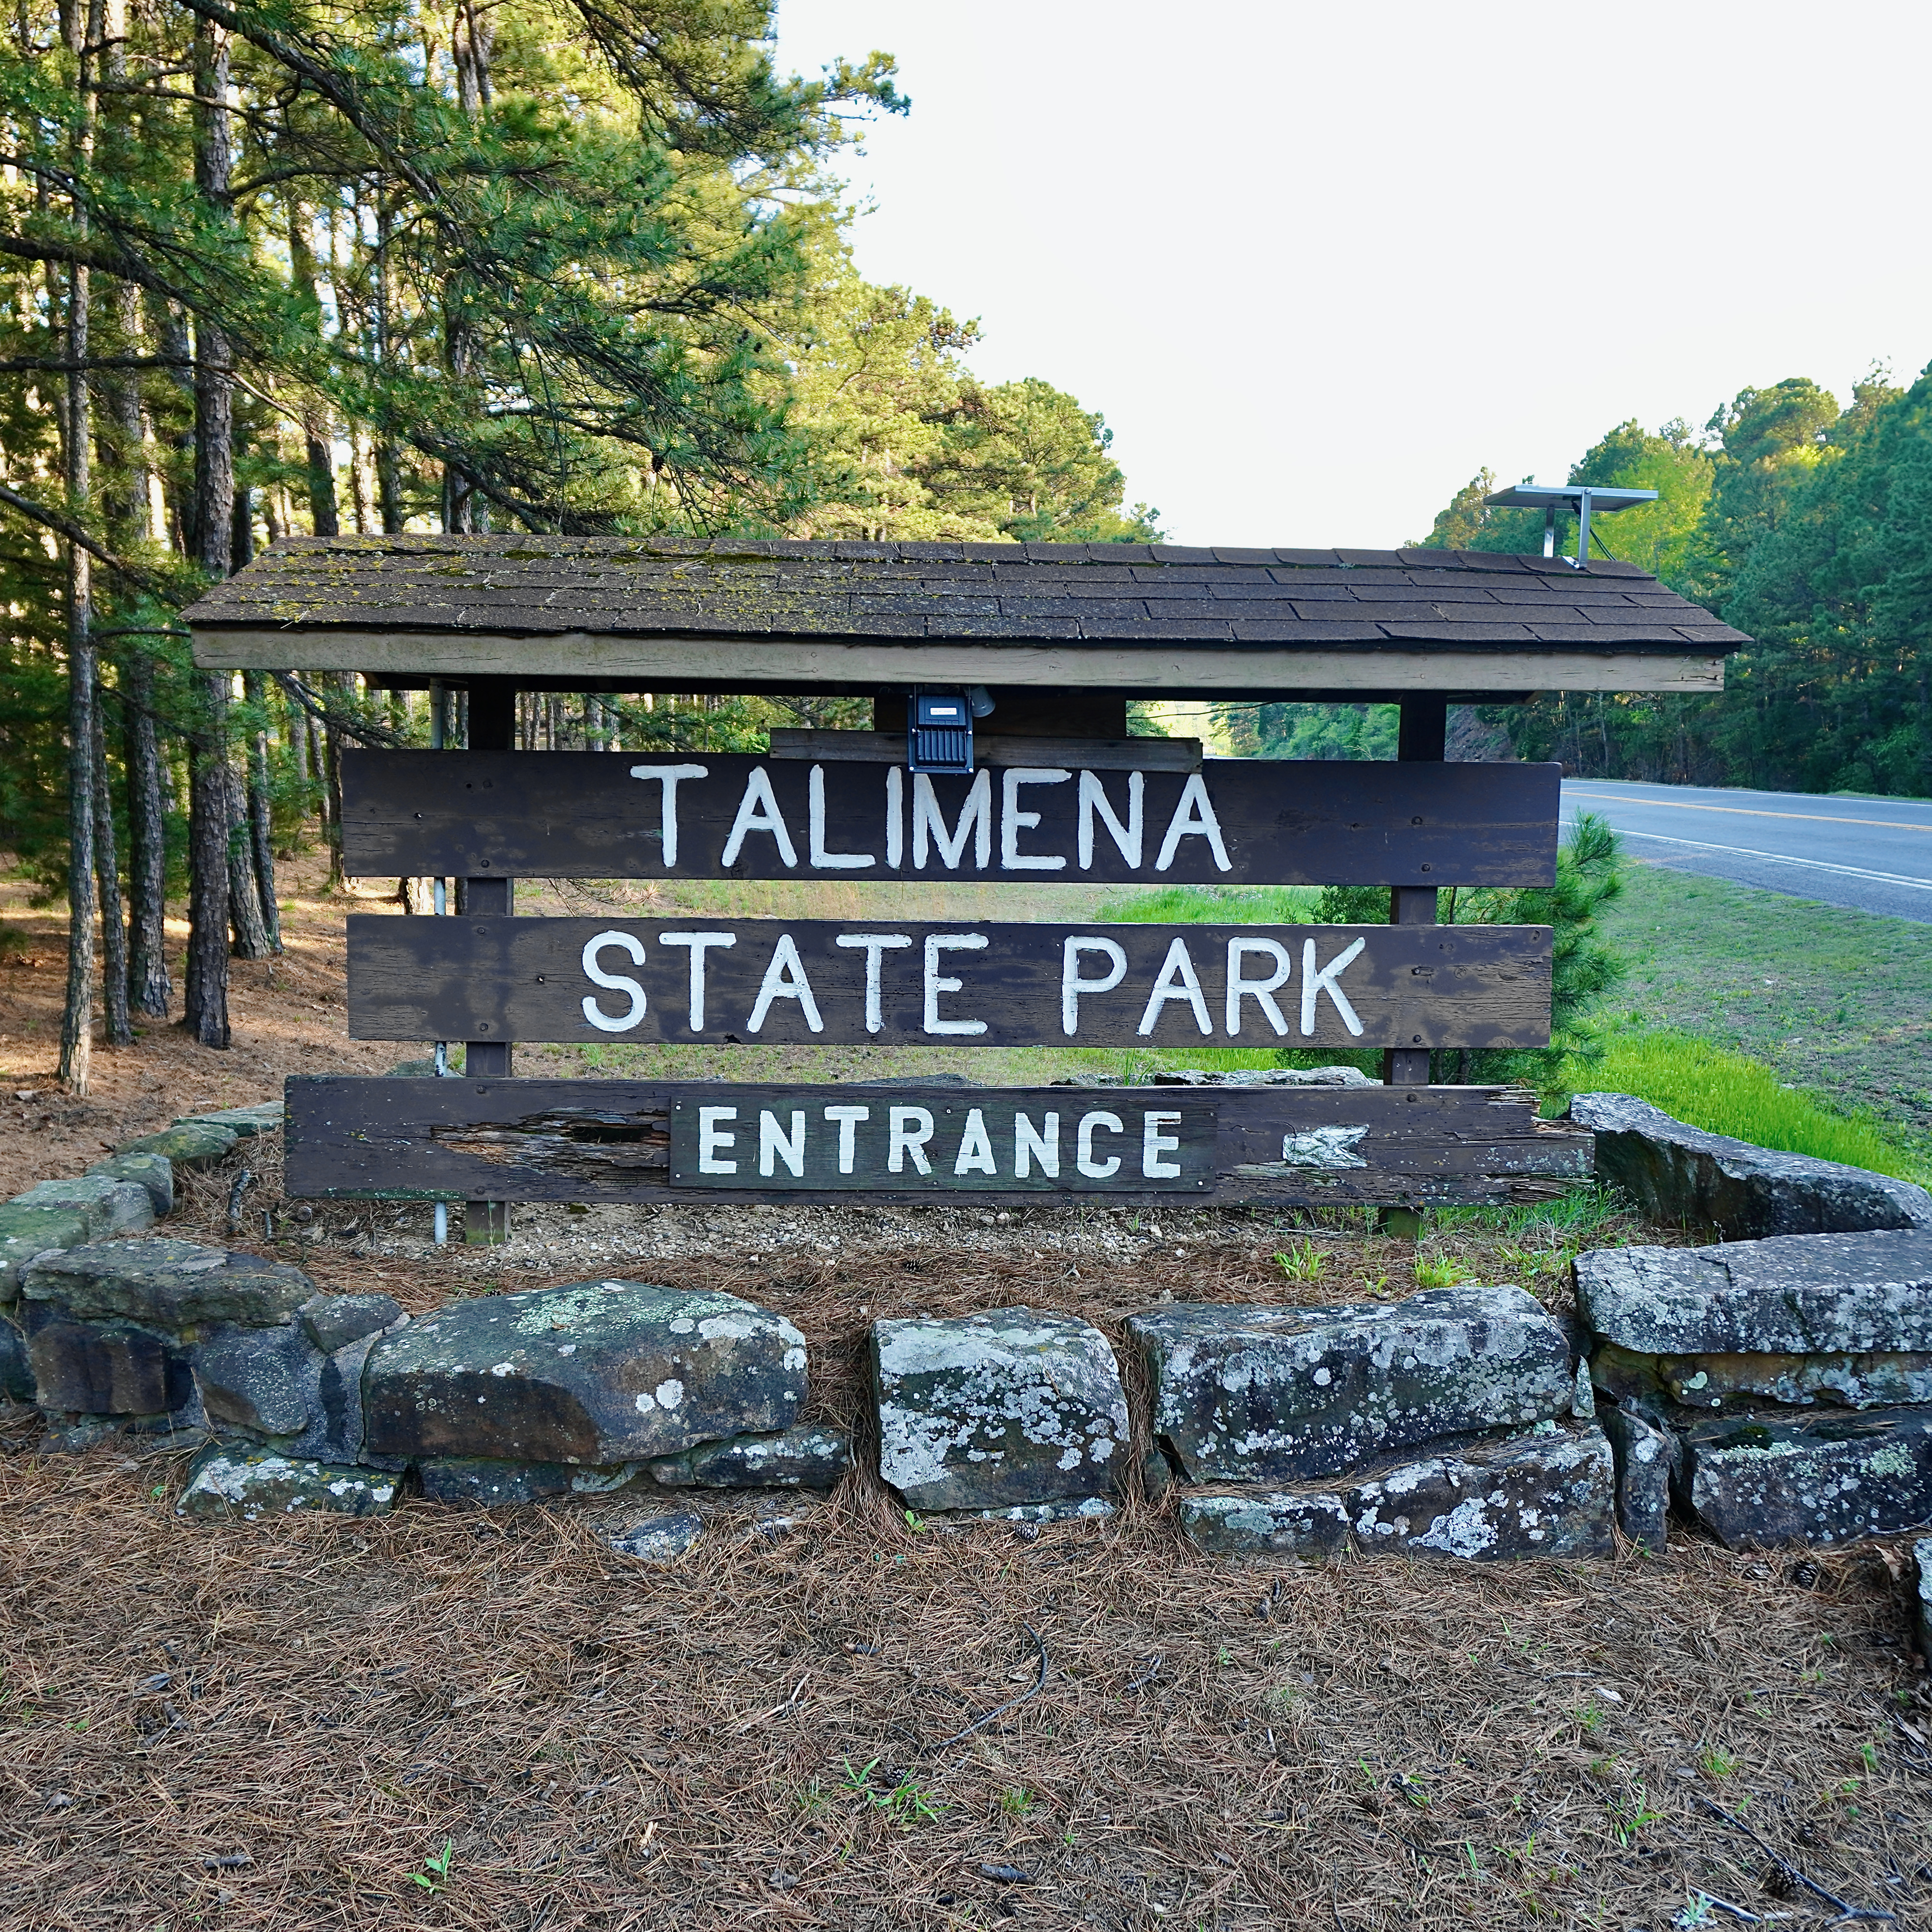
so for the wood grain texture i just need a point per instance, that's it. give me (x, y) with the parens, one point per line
(1410, 986)
(993, 748)
(584, 815)
(610, 1140)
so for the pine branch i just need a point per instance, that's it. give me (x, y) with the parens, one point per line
(64, 526)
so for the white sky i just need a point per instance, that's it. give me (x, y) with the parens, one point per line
(1318, 263)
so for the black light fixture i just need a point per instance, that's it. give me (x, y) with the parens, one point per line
(939, 727)
(1583, 500)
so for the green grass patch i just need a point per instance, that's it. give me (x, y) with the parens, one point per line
(1725, 1092)
(1215, 905)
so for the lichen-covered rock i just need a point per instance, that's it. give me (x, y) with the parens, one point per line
(1758, 1481)
(27, 1233)
(480, 1483)
(596, 1372)
(809, 1456)
(1800, 1294)
(660, 1539)
(1682, 1174)
(169, 1285)
(1548, 1493)
(153, 1172)
(1920, 1587)
(1733, 1381)
(226, 1482)
(1646, 1456)
(987, 1410)
(264, 1380)
(260, 1117)
(197, 1145)
(101, 1367)
(335, 1431)
(1069, 1509)
(111, 1207)
(1246, 1394)
(334, 1320)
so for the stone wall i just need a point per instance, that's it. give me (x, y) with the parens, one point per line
(1767, 1390)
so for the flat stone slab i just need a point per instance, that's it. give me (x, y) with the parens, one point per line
(811, 1456)
(262, 1117)
(985, 1411)
(1662, 1382)
(594, 1372)
(1680, 1174)
(1797, 1294)
(660, 1539)
(1246, 1394)
(479, 1482)
(224, 1482)
(197, 1145)
(1548, 1493)
(332, 1321)
(169, 1285)
(1760, 1481)
(26, 1233)
(153, 1172)
(112, 1206)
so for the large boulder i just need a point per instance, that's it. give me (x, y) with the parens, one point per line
(169, 1285)
(1800, 1294)
(1246, 1394)
(1548, 1493)
(110, 1206)
(153, 1171)
(596, 1371)
(28, 1233)
(104, 1368)
(1659, 1383)
(224, 1482)
(1013, 1405)
(1680, 1174)
(1760, 1480)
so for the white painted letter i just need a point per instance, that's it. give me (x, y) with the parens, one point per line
(895, 818)
(699, 943)
(976, 1149)
(669, 776)
(1178, 980)
(1313, 982)
(1013, 821)
(710, 1140)
(874, 944)
(976, 816)
(1154, 1144)
(1262, 991)
(758, 812)
(1129, 837)
(1042, 1146)
(848, 1119)
(908, 1130)
(951, 942)
(788, 1148)
(814, 793)
(784, 979)
(1071, 984)
(618, 983)
(1193, 818)
(1083, 1155)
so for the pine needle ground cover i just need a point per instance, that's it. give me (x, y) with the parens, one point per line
(1836, 1002)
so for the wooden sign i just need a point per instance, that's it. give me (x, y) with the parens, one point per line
(1137, 1141)
(643, 1141)
(703, 815)
(786, 981)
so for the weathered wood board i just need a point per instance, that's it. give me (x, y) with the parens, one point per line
(598, 1140)
(842, 983)
(622, 815)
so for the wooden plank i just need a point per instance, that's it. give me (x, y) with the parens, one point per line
(1237, 821)
(1092, 754)
(610, 1141)
(700, 660)
(897, 982)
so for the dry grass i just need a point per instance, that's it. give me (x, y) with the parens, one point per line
(751, 1738)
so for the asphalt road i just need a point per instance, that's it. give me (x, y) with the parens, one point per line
(1872, 853)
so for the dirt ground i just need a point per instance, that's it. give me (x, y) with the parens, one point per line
(448, 1718)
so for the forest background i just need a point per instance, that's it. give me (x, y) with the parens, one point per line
(582, 266)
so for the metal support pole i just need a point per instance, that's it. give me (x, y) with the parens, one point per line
(1549, 530)
(1582, 529)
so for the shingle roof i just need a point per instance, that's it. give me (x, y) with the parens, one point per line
(1105, 593)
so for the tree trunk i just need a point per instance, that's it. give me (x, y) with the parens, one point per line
(117, 1031)
(245, 919)
(148, 986)
(206, 1000)
(261, 829)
